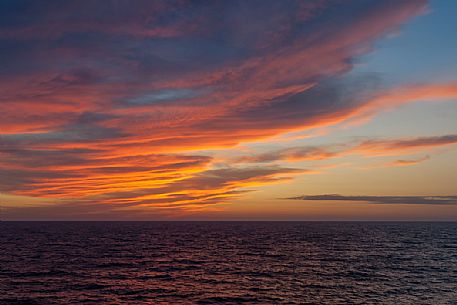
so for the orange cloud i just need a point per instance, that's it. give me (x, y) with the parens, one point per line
(107, 108)
(404, 95)
(386, 147)
(408, 162)
(374, 147)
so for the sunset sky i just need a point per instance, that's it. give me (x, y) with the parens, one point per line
(228, 110)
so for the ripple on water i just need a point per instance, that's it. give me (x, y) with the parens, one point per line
(228, 263)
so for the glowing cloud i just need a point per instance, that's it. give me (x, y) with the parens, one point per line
(105, 103)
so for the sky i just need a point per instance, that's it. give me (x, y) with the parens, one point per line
(228, 110)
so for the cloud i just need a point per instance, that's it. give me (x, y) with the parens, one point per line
(403, 162)
(371, 147)
(135, 199)
(434, 200)
(291, 154)
(204, 188)
(412, 144)
(105, 100)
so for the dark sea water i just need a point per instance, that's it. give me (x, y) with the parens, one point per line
(228, 263)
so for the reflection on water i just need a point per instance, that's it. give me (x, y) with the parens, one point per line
(231, 262)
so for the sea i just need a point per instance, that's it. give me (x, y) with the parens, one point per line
(228, 263)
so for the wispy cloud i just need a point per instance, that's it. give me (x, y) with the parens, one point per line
(371, 147)
(107, 102)
(400, 145)
(407, 162)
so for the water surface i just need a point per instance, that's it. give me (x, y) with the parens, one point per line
(228, 262)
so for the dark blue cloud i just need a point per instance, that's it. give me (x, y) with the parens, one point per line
(382, 199)
(109, 96)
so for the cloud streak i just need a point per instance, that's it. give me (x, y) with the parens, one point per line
(433, 200)
(107, 103)
(371, 147)
(404, 162)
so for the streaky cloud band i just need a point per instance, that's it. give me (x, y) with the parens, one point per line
(381, 199)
